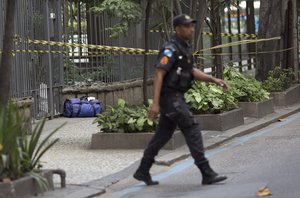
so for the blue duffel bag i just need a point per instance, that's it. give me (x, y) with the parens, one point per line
(82, 107)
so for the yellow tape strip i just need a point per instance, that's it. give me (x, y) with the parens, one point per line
(120, 50)
(124, 50)
(253, 36)
(251, 53)
(237, 43)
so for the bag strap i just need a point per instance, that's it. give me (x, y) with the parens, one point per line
(79, 108)
(94, 108)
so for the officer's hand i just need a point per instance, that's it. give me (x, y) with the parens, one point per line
(154, 110)
(221, 83)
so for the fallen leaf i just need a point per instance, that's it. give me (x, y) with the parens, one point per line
(263, 192)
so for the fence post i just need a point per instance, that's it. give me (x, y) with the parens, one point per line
(49, 59)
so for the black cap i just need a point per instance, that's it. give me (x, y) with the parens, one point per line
(182, 20)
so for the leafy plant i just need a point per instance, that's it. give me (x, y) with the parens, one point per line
(244, 88)
(10, 131)
(20, 155)
(74, 74)
(209, 98)
(278, 79)
(128, 11)
(34, 148)
(124, 118)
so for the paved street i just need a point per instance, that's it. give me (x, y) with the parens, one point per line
(270, 156)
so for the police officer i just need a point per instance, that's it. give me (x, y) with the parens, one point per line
(174, 75)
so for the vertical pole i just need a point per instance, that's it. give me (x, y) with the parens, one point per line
(239, 38)
(49, 58)
(59, 23)
(250, 29)
(216, 38)
(230, 32)
(296, 41)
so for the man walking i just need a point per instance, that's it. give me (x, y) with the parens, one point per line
(174, 75)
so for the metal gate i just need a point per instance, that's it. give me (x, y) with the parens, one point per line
(39, 75)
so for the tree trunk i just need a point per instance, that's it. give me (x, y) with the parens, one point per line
(216, 38)
(270, 25)
(250, 23)
(146, 56)
(178, 7)
(6, 61)
(200, 16)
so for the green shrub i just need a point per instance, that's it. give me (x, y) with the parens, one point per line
(278, 80)
(124, 118)
(20, 155)
(244, 88)
(209, 98)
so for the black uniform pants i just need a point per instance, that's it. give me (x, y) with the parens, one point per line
(174, 111)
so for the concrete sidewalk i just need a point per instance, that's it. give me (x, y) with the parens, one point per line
(89, 172)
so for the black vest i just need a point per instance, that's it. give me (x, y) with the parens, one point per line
(179, 78)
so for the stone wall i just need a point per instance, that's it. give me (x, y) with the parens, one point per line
(24, 105)
(130, 91)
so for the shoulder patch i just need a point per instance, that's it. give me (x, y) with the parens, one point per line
(168, 53)
(164, 60)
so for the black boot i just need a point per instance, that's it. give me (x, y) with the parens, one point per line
(142, 173)
(208, 175)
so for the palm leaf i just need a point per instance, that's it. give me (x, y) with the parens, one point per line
(38, 149)
(40, 180)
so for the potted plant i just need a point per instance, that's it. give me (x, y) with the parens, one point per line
(280, 83)
(21, 171)
(249, 93)
(214, 108)
(127, 127)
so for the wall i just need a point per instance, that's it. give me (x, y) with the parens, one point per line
(131, 91)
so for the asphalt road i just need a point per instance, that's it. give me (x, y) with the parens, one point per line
(269, 157)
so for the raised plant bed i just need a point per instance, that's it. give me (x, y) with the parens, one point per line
(222, 121)
(257, 109)
(24, 187)
(132, 140)
(288, 97)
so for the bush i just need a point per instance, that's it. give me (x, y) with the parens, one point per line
(244, 88)
(209, 98)
(124, 118)
(278, 80)
(20, 155)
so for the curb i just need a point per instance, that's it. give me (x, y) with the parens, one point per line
(183, 153)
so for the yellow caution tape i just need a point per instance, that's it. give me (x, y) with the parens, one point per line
(122, 50)
(250, 36)
(110, 49)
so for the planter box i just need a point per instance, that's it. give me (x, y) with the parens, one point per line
(222, 121)
(24, 187)
(257, 109)
(132, 140)
(288, 97)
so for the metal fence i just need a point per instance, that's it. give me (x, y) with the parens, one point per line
(43, 75)
(82, 65)
(37, 75)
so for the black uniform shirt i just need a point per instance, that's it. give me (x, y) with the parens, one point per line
(169, 53)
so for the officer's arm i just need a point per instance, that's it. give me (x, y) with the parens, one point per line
(201, 76)
(157, 84)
